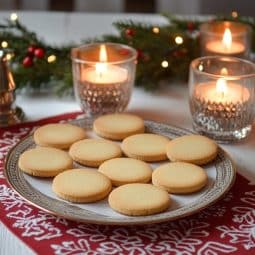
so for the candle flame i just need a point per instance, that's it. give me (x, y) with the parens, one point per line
(227, 39)
(102, 53)
(221, 87)
(224, 71)
(200, 68)
(101, 66)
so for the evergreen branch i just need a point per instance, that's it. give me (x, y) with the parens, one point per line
(153, 43)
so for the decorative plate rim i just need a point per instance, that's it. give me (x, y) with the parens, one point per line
(224, 165)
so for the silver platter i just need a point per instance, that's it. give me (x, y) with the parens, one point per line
(225, 176)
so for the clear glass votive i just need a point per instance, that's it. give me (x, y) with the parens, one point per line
(221, 97)
(225, 38)
(103, 77)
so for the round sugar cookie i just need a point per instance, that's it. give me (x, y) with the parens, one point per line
(194, 149)
(118, 126)
(93, 152)
(81, 185)
(179, 177)
(126, 170)
(137, 199)
(60, 136)
(147, 147)
(44, 161)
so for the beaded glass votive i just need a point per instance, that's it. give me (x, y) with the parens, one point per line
(221, 97)
(225, 38)
(103, 76)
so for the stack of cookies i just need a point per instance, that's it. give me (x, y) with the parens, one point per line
(138, 189)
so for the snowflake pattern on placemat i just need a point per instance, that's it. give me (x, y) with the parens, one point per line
(228, 227)
(243, 228)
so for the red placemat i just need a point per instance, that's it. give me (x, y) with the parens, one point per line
(228, 227)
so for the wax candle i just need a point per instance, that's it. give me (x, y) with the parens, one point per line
(225, 46)
(222, 93)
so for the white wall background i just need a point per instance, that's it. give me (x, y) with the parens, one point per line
(173, 6)
(245, 7)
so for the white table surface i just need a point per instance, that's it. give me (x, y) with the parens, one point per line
(167, 105)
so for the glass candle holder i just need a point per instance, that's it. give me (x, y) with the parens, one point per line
(225, 38)
(221, 97)
(103, 77)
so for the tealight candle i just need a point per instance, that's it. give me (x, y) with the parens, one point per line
(103, 77)
(222, 93)
(225, 38)
(222, 97)
(226, 45)
(104, 73)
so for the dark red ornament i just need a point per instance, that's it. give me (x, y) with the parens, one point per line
(190, 26)
(130, 32)
(27, 61)
(31, 50)
(39, 53)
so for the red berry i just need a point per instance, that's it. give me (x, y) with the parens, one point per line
(27, 61)
(129, 32)
(31, 50)
(39, 52)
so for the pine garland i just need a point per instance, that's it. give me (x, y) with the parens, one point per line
(161, 56)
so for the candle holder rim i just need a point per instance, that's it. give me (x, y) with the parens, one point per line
(195, 61)
(131, 49)
(234, 34)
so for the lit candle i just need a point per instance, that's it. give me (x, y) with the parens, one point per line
(225, 46)
(104, 73)
(223, 93)
(221, 98)
(103, 77)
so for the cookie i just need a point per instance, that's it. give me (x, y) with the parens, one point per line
(126, 170)
(60, 136)
(93, 152)
(118, 126)
(44, 161)
(194, 149)
(81, 185)
(137, 199)
(179, 177)
(147, 147)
